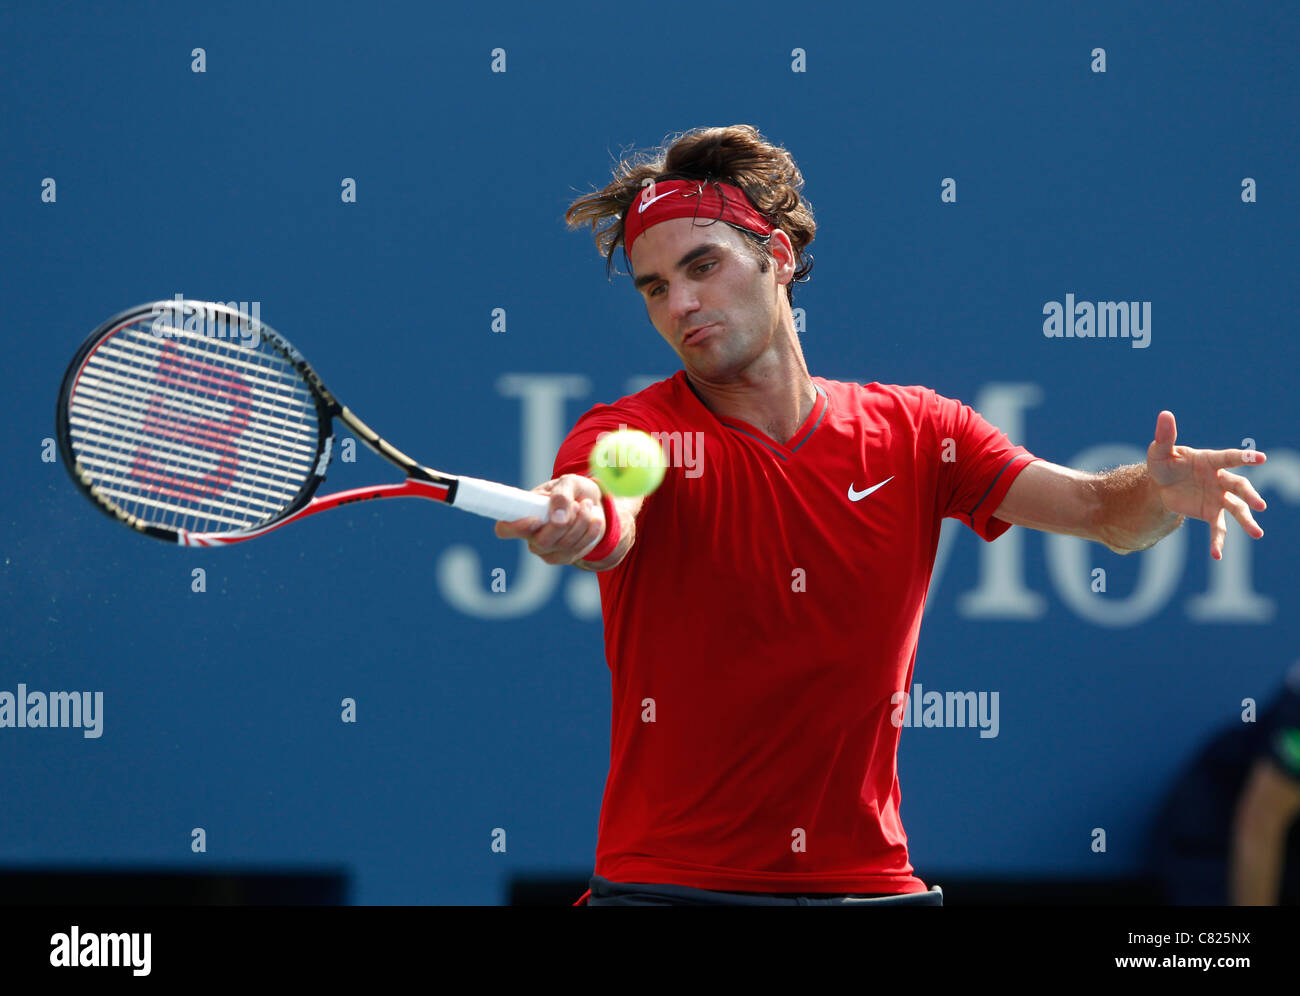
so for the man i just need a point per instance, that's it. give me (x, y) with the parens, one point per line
(1228, 831)
(760, 616)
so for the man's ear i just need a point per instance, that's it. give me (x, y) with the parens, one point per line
(782, 253)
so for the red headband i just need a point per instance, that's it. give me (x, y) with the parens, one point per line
(669, 199)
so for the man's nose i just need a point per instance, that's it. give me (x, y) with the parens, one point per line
(682, 302)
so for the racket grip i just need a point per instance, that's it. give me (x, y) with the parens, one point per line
(498, 501)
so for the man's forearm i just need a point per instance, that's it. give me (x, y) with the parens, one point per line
(1130, 515)
(1268, 805)
(1255, 864)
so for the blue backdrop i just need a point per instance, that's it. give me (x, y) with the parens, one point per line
(130, 177)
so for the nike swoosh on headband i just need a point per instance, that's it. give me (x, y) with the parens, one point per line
(646, 203)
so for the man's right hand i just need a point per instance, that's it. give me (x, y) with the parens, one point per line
(574, 525)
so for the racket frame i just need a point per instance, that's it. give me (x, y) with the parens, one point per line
(421, 481)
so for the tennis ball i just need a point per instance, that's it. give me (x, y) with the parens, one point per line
(627, 463)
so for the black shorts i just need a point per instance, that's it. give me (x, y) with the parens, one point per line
(607, 893)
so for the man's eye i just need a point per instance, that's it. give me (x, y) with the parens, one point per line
(699, 269)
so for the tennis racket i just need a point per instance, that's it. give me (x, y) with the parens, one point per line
(194, 423)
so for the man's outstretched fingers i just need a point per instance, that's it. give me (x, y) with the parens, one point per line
(1242, 514)
(1246, 458)
(1242, 488)
(1218, 531)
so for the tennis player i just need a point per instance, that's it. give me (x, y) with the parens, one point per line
(762, 607)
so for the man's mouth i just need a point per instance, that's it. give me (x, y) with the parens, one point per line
(694, 334)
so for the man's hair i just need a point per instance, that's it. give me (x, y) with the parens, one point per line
(738, 155)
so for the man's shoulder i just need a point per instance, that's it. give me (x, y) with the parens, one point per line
(660, 392)
(875, 396)
(661, 401)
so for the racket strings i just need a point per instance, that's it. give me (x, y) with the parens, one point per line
(193, 431)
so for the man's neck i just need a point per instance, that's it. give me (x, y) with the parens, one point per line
(775, 394)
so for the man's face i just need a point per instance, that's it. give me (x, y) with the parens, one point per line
(692, 275)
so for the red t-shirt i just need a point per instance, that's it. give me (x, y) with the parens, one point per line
(761, 623)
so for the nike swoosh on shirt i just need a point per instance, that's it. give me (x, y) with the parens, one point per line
(859, 495)
(645, 204)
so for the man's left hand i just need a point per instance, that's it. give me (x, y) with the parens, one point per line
(1197, 483)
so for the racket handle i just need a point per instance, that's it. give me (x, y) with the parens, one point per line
(499, 501)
